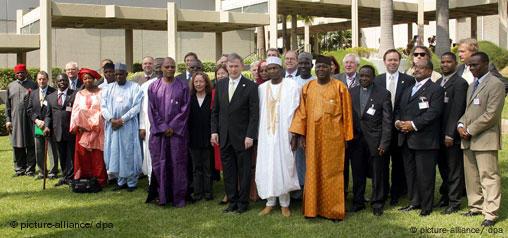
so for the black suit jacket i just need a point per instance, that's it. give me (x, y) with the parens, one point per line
(239, 118)
(199, 122)
(34, 109)
(375, 129)
(405, 81)
(182, 76)
(455, 95)
(492, 70)
(427, 121)
(58, 118)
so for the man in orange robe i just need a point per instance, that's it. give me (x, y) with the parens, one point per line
(322, 124)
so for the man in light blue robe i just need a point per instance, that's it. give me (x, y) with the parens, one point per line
(120, 106)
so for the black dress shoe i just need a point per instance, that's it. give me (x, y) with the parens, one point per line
(52, 176)
(117, 188)
(39, 176)
(488, 223)
(230, 208)
(357, 208)
(443, 202)
(208, 196)
(17, 174)
(60, 182)
(131, 189)
(425, 213)
(471, 214)
(450, 210)
(394, 201)
(409, 208)
(31, 174)
(377, 211)
(241, 210)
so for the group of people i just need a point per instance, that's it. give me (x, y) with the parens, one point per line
(285, 134)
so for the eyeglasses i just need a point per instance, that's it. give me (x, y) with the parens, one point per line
(419, 54)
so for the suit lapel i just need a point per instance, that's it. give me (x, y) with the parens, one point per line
(355, 93)
(420, 90)
(370, 100)
(479, 89)
(239, 89)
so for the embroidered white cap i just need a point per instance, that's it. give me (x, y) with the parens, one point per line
(273, 60)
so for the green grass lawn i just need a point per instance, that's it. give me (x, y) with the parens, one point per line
(505, 110)
(23, 200)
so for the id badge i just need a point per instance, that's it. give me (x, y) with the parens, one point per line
(371, 111)
(476, 101)
(68, 109)
(423, 105)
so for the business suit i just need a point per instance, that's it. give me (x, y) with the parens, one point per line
(234, 121)
(141, 78)
(373, 130)
(420, 147)
(450, 160)
(78, 86)
(482, 119)
(350, 153)
(398, 179)
(58, 119)
(185, 76)
(493, 71)
(37, 109)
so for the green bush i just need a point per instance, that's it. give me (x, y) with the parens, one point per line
(497, 55)
(3, 130)
(137, 67)
(207, 67)
(361, 51)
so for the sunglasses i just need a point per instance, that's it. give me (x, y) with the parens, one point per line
(419, 54)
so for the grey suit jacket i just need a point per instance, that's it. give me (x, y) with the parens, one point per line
(492, 70)
(483, 118)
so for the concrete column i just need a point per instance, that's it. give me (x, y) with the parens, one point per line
(218, 45)
(45, 34)
(315, 46)
(421, 22)
(442, 28)
(294, 23)
(272, 9)
(21, 58)
(172, 32)
(306, 38)
(503, 23)
(218, 5)
(409, 32)
(354, 23)
(285, 32)
(129, 49)
(19, 20)
(474, 27)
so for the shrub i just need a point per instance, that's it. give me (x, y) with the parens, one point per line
(136, 67)
(207, 67)
(497, 55)
(7, 75)
(361, 51)
(3, 130)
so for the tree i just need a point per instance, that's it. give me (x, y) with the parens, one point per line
(386, 16)
(442, 27)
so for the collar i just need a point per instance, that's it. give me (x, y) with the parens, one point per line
(446, 77)
(422, 82)
(351, 77)
(64, 91)
(236, 79)
(292, 73)
(480, 80)
(151, 75)
(395, 75)
(367, 88)
(44, 90)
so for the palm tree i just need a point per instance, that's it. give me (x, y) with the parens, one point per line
(386, 11)
(442, 27)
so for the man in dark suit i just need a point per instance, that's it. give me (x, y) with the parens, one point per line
(72, 70)
(372, 116)
(417, 119)
(58, 121)
(235, 119)
(450, 161)
(188, 59)
(467, 47)
(37, 110)
(395, 82)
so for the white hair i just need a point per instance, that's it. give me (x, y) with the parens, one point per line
(355, 56)
(71, 64)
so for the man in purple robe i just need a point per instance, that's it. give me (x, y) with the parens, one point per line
(168, 111)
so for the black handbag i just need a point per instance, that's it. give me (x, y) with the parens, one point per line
(85, 185)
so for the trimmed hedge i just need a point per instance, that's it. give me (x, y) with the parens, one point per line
(7, 75)
(3, 130)
(207, 67)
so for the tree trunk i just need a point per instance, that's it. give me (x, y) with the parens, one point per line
(386, 41)
(442, 27)
(261, 42)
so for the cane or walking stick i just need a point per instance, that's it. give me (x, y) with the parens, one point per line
(45, 173)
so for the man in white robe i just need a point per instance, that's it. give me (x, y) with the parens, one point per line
(276, 174)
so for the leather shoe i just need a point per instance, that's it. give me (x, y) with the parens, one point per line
(450, 210)
(357, 208)
(117, 188)
(285, 211)
(52, 176)
(377, 211)
(267, 210)
(443, 202)
(394, 201)
(208, 196)
(488, 223)
(409, 208)
(425, 213)
(241, 210)
(60, 182)
(131, 189)
(230, 208)
(471, 214)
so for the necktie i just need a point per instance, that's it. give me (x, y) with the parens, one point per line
(351, 82)
(231, 89)
(444, 81)
(73, 84)
(147, 78)
(290, 76)
(391, 88)
(415, 89)
(60, 103)
(475, 85)
(41, 97)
